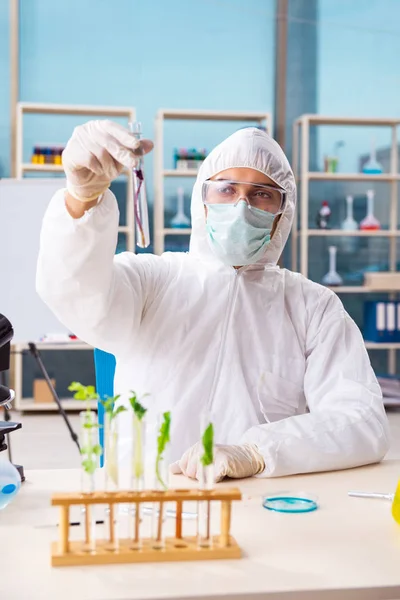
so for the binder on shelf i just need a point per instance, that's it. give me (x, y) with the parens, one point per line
(382, 321)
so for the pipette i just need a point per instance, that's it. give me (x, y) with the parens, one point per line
(377, 495)
(139, 194)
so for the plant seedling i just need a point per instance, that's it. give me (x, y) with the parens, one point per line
(139, 412)
(90, 452)
(162, 441)
(109, 406)
(207, 441)
(138, 409)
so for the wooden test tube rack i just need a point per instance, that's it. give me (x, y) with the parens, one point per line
(68, 553)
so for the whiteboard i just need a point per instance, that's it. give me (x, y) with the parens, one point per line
(23, 203)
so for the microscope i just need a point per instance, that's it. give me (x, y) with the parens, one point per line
(6, 394)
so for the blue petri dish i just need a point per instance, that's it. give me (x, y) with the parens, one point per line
(290, 502)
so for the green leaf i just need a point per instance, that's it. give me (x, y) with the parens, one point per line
(90, 425)
(137, 407)
(164, 433)
(118, 411)
(162, 441)
(108, 405)
(139, 411)
(207, 441)
(75, 386)
(97, 450)
(83, 392)
(89, 465)
(79, 390)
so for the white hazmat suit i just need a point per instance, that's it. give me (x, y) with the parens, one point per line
(273, 355)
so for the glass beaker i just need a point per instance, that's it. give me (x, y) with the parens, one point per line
(332, 277)
(370, 222)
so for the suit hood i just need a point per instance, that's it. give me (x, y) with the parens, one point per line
(255, 149)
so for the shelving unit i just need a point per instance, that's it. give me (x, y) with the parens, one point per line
(358, 289)
(24, 108)
(25, 404)
(359, 233)
(160, 231)
(301, 232)
(317, 176)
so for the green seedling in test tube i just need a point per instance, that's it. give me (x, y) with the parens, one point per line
(89, 451)
(207, 441)
(162, 440)
(111, 436)
(139, 412)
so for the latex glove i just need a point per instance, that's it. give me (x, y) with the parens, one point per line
(96, 154)
(229, 461)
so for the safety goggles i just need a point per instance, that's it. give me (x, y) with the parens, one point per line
(264, 197)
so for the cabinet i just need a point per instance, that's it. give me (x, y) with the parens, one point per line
(20, 354)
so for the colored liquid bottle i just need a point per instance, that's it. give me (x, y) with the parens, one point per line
(323, 216)
(372, 166)
(370, 222)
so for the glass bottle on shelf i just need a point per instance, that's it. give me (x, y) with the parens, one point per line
(370, 222)
(323, 216)
(349, 242)
(332, 277)
(372, 166)
(180, 220)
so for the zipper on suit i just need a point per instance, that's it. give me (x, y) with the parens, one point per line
(232, 296)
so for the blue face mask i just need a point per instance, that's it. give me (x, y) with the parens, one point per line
(238, 234)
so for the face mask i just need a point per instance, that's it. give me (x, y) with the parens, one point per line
(238, 235)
